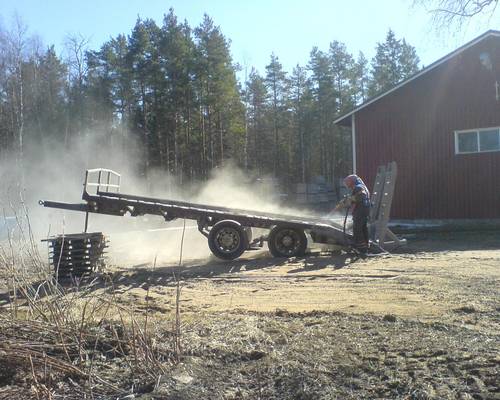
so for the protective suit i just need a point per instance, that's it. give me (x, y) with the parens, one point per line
(360, 209)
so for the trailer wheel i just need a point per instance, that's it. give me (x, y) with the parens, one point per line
(286, 241)
(227, 240)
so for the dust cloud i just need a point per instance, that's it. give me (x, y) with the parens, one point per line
(55, 171)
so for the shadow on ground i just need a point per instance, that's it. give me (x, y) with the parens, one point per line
(143, 274)
(450, 241)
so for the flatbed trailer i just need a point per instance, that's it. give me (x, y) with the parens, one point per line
(228, 230)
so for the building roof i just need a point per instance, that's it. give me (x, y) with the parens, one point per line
(343, 119)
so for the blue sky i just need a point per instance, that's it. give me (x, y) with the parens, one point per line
(256, 28)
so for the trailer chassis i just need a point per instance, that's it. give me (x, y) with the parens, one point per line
(228, 230)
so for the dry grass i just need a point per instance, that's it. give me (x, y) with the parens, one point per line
(58, 339)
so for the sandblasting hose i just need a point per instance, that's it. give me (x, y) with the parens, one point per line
(345, 223)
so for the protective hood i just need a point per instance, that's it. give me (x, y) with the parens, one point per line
(352, 181)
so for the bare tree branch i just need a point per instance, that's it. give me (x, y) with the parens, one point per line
(76, 46)
(449, 14)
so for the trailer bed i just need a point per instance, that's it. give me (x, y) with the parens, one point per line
(228, 229)
(182, 209)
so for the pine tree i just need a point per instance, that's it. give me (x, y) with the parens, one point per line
(342, 65)
(259, 152)
(408, 60)
(324, 107)
(98, 106)
(395, 60)
(276, 84)
(115, 55)
(220, 105)
(147, 80)
(176, 50)
(50, 100)
(300, 96)
(359, 79)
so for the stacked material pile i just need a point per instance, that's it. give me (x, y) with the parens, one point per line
(77, 255)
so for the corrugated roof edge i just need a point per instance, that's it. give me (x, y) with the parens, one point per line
(420, 73)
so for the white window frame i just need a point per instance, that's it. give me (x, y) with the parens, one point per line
(457, 133)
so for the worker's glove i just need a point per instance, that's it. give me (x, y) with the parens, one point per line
(346, 202)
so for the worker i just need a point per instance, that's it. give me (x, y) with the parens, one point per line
(359, 202)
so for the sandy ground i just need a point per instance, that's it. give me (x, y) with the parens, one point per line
(438, 277)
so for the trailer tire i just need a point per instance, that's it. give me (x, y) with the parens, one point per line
(227, 240)
(287, 241)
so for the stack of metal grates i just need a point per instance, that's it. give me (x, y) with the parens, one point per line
(77, 255)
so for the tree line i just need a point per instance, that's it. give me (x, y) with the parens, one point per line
(174, 90)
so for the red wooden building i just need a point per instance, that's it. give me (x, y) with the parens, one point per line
(441, 126)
